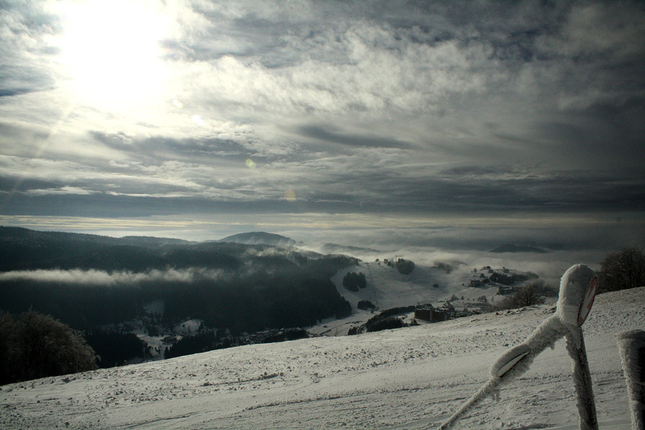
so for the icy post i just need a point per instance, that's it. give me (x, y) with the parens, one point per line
(632, 353)
(577, 291)
(574, 305)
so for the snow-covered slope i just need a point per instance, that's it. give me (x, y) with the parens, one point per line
(410, 378)
(387, 288)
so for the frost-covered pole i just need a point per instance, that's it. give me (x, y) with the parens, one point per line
(632, 353)
(577, 291)
(582, 381)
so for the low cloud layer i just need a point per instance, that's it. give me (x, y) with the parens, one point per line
(115, 278)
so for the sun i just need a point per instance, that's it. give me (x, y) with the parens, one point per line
(111, 51)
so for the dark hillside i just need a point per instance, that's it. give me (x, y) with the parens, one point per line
(92, 281)
(23, 249)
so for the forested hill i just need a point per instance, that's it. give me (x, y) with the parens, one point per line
(89, 281)
(24, 249)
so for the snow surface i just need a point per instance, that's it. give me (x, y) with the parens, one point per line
(410, 378)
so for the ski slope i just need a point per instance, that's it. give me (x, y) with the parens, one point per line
(410, 378)
(387, 288)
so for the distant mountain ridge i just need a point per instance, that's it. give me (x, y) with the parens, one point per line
(25, 249)
(260, 238)
(8, 234)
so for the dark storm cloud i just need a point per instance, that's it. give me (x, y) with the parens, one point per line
(474, 188)
(332, 135)
(587, 191)
(163, 148)
(8, 184)
(14, 91)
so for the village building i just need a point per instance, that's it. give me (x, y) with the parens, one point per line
(432, 314)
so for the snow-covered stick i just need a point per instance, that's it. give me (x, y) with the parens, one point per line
(577, 291)
(480, 395)
(582, 380)
(632, 353)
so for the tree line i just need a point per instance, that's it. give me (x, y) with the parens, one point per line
(619, 270)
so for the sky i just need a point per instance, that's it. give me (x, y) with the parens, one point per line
(198, 119)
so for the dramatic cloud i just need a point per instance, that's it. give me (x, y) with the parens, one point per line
(400, 109)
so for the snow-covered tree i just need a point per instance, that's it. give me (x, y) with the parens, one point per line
(36, 345)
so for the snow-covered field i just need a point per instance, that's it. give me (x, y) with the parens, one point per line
(410, 378)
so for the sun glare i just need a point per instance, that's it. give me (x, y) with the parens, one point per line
(111, 51)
